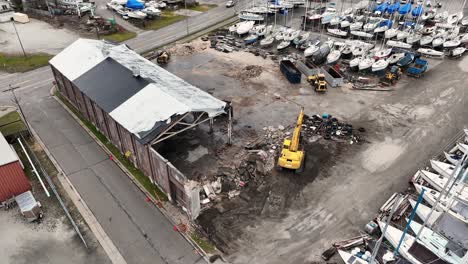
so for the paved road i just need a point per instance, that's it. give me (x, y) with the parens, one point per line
(140, 232)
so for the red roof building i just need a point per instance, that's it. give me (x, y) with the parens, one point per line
(13, 181)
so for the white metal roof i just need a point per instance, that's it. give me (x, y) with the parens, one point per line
(171, 94)
(151, 103)
(7, 155)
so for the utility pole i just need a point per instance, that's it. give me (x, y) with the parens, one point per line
(186, 20)
(16, 101)
(19, 39)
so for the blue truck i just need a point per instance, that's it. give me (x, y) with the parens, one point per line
(290, 71)
(417, 68)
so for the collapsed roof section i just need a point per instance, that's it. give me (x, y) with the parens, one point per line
(139, 95)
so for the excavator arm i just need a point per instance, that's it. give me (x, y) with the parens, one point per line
(297, 132)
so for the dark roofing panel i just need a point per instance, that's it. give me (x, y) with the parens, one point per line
(12, 181)
(109, 84)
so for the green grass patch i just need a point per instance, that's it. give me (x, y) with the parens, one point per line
(167, 18)
(120, 36)
(139, 176)
(19, 63)
(202, 7)
(11, 124)
(202, 242)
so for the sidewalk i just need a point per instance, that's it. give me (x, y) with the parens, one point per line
(138, 229)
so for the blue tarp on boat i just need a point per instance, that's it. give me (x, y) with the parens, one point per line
(387, 23)
(404, 9)
(393, 7)
(134, 4)
(381, 8)
(417, 11)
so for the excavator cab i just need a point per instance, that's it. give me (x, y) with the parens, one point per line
(321, 84)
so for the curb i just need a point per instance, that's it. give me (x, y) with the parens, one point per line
(199, 250)
(111, 250)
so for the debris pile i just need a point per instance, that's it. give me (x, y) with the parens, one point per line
(230, 180)
(187, 49)
(329, 127)
(250, 71)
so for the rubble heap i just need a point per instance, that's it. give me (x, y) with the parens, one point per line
(250, 71)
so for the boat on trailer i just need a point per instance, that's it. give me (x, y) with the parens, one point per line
(430, 52)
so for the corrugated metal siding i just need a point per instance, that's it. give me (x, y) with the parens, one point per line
(13, 181)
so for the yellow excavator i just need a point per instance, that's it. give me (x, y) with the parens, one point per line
(291, 156)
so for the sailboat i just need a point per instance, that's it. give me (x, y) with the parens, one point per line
(333, 56)
(413, 38)
(424, 212)
(361, 34)
(430, 52)
(383, 53)
(437, 42)
(429, 14)
(417, 11)
(452, 157)
(398, 44)
(437, 244)
(457, 52)
(393, 236)
(366, 63)
(457, 209)
(391, 33)
(337, 32)
(451, 43)
(356, 26)
(462, 147)
(267, 41)
(405, 9)
(438, 182)
(426, 40)
(379, 65)
(244, 27)
(454, 18)
(394, 58)
(350, 258)
(301, 38)
(443, 168)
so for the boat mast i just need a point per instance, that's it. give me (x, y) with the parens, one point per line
(305, 14)
(461, 167)
(387, 222)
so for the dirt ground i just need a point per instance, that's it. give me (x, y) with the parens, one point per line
(52, 239)
(289, 218)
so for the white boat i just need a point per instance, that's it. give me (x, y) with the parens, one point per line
(437, 42)
(301, 39)
(359, 50)
(403, 34)
(267, 41)
(464, 21)
(453, 158)
(354, 63)
(256, 29)
(355, 26)
(349, 258)
(328, 15)
(136, 14)
(463, 147)
(394, 58)
(345, 24)
(436, 243)
(442, 168)
(382, 53)
(379, 65)
(440, 17)
(335, 21)
(244, 27)
(361, 5)
(429, 14)
(333, 56)
(291, 35)
(348, 11)
(451, 43)
(391, 33)
(424, 212)
(393, 235)
(366, 63)
(458, 210)
(284, 44)
(426, 40)
(234, 27)
(413, 38)
(454, 18)
(457, 52)
(337, 32)
(430, 52)
(398, 44)
(381, 29)
(428, 30)
(250, 16)
(311, 50)
(152, 11)
(372, 24)
(361, 34)
(438, 182)
(463, 38)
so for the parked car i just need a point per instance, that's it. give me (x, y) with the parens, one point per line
(230, 3)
